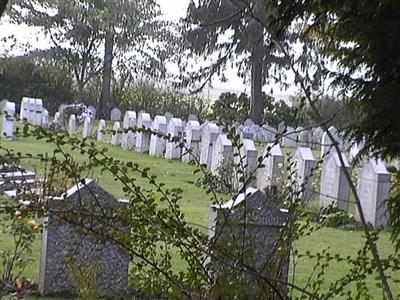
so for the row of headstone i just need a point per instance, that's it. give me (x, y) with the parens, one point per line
(33, 112)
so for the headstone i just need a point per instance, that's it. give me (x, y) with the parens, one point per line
(270, 176)
(289, 139)
(175, 129)
(247, 132)
(157, 143)
(305, 165)
(192, 141)
(87, 128)
(45, 118)
(245, 164)
(373, 189)
(268, 133)
(72, 124)
(128, 137)
(143, 139)
(31, 110)
(116, 134)
(37, 116)
(101, 130)
(69, 249)
(209, 135)
(317, 137)
(23, 113)
(335, 190)
(251, 229)
(304, 137)
(281, 127)
(257, 133)
(115, 114)
(222, 157)
(9, 121)
(327, 143)
(248, 122)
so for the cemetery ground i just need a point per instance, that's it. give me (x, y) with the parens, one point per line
(195, 204)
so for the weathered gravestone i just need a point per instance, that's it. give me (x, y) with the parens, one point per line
(209, 135)
(373, 189)
(305, 164)
(72, 124)
(168, 116)
(175, 129)
(143, 139)
(268, 133)
(335, 189)
(87, 128)
(101, 130)
(245, 165)
(192, 118)
(116, 134)
(192, 141)
(157, 143)
(222, 158)
(281, 127)
(115, 114)
(252, 230)
(9, 121)
(71, 251)
(316, 136)
(247, 132)
(327, 143)
(128, 136)
(248, 122)
(270, 176)
(303, 137)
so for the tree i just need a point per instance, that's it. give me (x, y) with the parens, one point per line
(221, 28)
(230, 108)
(77, 29)
(3, 5)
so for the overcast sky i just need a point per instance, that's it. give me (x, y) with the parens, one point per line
(172, 10)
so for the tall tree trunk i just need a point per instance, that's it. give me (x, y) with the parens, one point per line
(3, 5)
(256, 104)
(104, 105)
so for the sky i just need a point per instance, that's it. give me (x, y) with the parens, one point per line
(172, 10)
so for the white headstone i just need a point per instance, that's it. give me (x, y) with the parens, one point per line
(143, 139)
(116, 134)
(101, 130)
(9, 121)
(87, 128)
(192, 141)
(128, 137)
(373, 189)
(37, 116)
(334, 186)
(23, 113)
(157, 143)
(175, 129)
(209, 135)
(327, 143)
(246, 164)
(192, 118)
(31, 110)
(281, 127)
(269, 177)
(248, 122)
(222, 157)
(168, 116)
(91, 111)
(72, 124)
(115, 114)
(305, 164)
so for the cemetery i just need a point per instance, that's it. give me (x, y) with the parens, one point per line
(205, 150)
(208, 143)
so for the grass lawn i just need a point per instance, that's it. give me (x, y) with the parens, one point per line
(195, 204)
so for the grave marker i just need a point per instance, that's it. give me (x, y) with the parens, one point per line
(101, 130)
(269, 177)
(87, 128)
(305, 170)
(209, 135)
(143, 139)
(128, 138)
(175, 129)
(9, 126)
(72, 124)
(115, 114)
(192, 140)
(157, 144)
(116, 135)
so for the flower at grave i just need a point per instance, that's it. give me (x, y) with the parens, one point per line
(17, 214)
(33, 224)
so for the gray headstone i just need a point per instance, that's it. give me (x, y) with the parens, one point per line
(327, 143)
(222, 157)
(192, 118)
(69, 249)
(335, 190)
(270, 176)
(87, 128)
(115, 114)
(268, 134)
(289, 139)
(91, 112)
(128, 137)
(248, 155)
(157, 144)
(168, 116)
(373, 189)
(305, 164)
(251, 229)
(23, 113)
(175, 129)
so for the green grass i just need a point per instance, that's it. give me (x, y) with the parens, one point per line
(195, 204)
